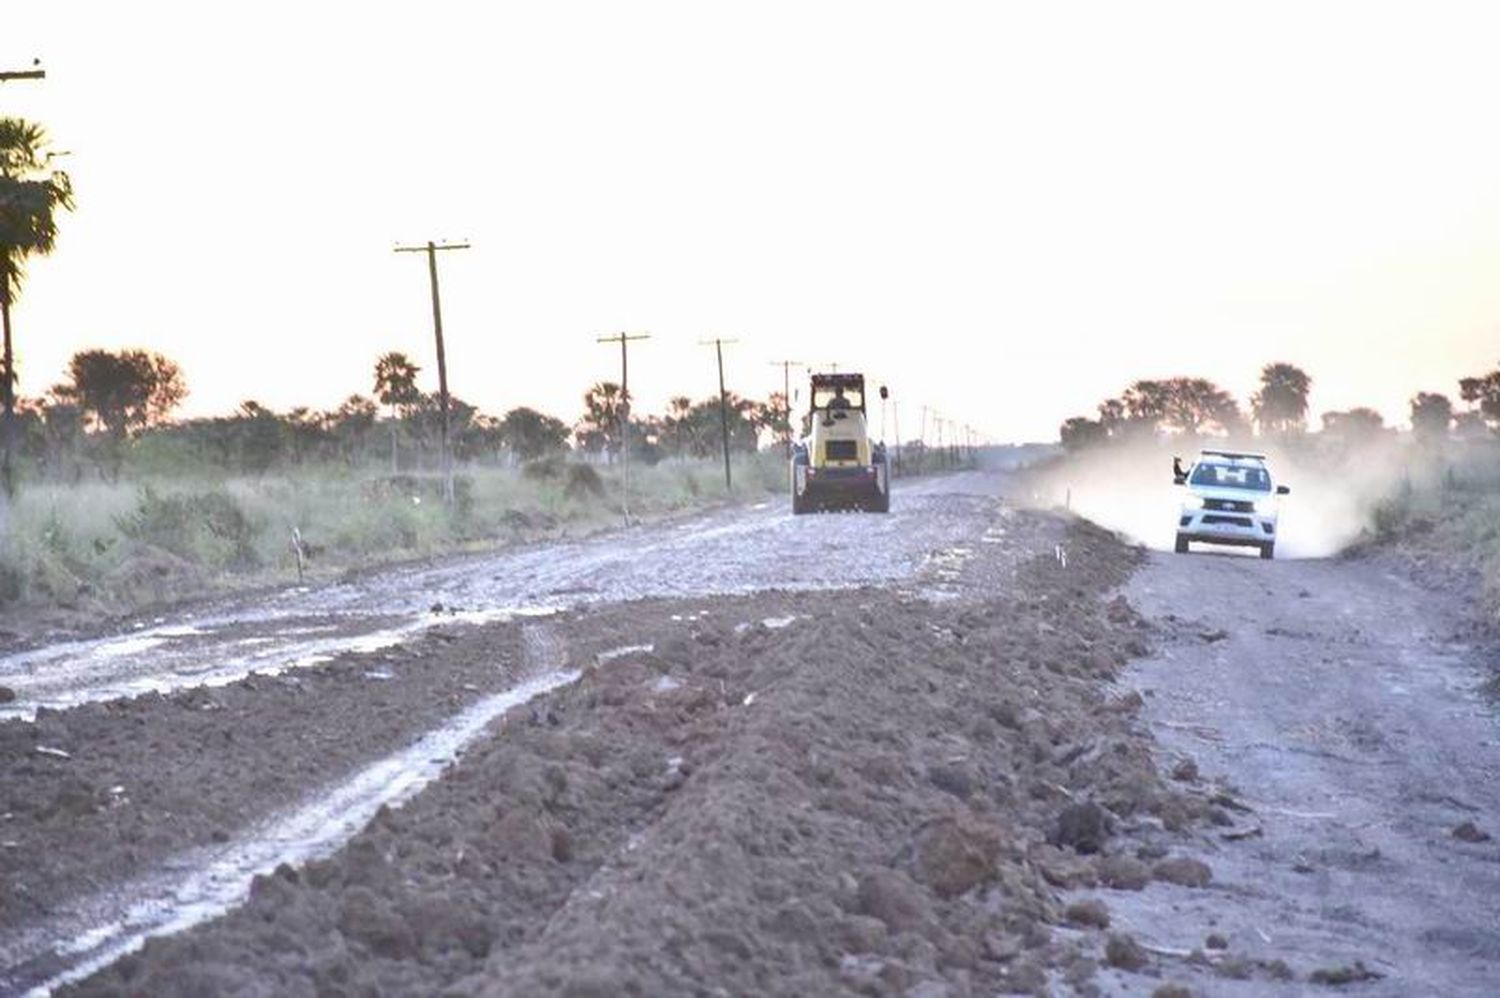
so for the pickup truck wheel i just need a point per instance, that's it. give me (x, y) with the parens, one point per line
(1182, 545)
(1268, 551)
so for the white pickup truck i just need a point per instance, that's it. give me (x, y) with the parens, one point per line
(1231, 499)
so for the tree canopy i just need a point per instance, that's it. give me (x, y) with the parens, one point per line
(1280, 406)
(123, 391)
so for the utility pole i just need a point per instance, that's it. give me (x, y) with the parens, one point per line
(718, 345)
(922, 439)
(786, 398)
(624, 339)
(431, 249)
(896, 425)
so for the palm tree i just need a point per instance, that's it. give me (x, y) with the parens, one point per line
(1281, 404)
(31, 197)
(604, 405)
(396, 386)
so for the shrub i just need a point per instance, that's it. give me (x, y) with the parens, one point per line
(583, 481)
(546, 469)
(209, 528)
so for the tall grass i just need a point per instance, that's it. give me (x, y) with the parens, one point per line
(124, 546)
(1450, 521)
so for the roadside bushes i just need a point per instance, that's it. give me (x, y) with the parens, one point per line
(118, 546)
(205, 528)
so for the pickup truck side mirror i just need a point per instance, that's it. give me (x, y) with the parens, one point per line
(1179, 479)
(1283, 490)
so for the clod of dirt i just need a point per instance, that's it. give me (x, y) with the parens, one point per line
(370, 920)
(1183, 871)
(1215, 941)
(1214, 636)
(1063, 869)
(954, 854)
(1172, 991)
(894, 898)
(1124, 952)
(1185, 771)
(1083, 827)
(955, 779)
(1337, 976)
(7, 694)
(1090, 912)
(1470, 832)
(1123, 873)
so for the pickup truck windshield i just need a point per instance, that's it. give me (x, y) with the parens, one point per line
(1228, 476)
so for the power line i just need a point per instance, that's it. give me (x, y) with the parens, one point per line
(431, 249)
(624, 339)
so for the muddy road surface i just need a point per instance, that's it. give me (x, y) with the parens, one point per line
(963, 749)
(737, 550)
(1331, 701)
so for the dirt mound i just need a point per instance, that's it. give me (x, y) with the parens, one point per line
(856, 802)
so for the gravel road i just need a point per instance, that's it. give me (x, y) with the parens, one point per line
(1330, 697)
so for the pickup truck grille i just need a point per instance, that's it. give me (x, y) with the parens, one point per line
(1229, 505)
(1230, 521)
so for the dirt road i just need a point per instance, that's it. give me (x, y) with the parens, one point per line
(266, 723)
(1329, 696)
(736, 550)
(944, 752)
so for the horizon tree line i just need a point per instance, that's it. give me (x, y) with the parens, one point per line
(114, 405)
(1278, 408)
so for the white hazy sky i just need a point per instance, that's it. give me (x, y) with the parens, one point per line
(1007, 211)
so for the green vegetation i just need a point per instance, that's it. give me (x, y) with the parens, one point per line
(118, 546)
(32, 195)
(1448, 522)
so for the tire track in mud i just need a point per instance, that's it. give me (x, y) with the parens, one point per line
(192, 888)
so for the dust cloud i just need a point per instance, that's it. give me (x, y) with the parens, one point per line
(1336, 489)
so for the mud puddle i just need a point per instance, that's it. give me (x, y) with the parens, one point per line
(208, 653)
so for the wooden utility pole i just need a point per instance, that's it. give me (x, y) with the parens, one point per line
(786, 399)
(896, 425)
(431, 249)
(718, 344)
(624, 339)
(922, 437)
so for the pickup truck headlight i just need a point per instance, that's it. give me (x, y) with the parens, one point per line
(1192, 502)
